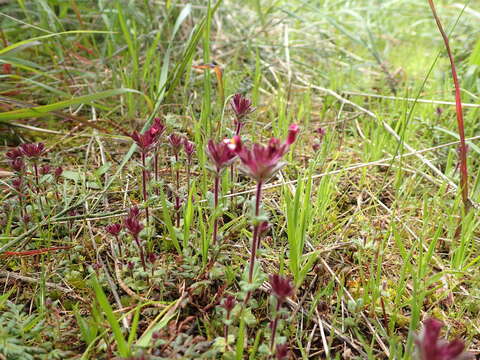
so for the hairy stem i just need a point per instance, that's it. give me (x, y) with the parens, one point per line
(275, 324)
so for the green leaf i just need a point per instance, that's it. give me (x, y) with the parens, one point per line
(38, 111)
(112, 320)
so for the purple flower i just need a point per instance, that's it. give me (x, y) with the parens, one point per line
(151, 258)
(45, 169)
(431, 347)
(281, 287)
(134, 212)
(175, 142)
(14, 154)
(282, 352)
(221, 154)
(32, 150)
(241, 106)
(229, 303)
(292, 134)
(58, 172)
(133, 226)
(145, 141)
(261, 162)
(189, 148)
(114, 229)
(17, 184)
(17, 164)
(158, 128)
(263, 228)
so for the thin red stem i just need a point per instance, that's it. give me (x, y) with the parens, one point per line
(253, 253)
(144, 186)
(142, 255)
(459, 109)
(216, 190)
(177, 196)
(275, 324)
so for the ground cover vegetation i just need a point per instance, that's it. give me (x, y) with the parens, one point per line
(258, 179)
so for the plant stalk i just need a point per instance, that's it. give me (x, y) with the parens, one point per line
(459, 110)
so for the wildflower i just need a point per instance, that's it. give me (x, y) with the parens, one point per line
(292, 134)
(262, 162)
(151, 258)
(32, 150)
(221, 154)
(145, 141)
(133, 226)
(241, 106)
(282, 352)
(318, 141)
(45, 169)
(431, 347)
(17, 164)
(175, 142)
(228, 304)
(114, 229)
(189, 148)
(158, 128)
(263, 228)
(17, 184)
(58, 172)
(134, 212)
(26, 219)
(14, 154)
(281, 287)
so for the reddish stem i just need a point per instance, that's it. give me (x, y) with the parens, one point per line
(155, 168)
(216, 190)
(144, 186)
(255, 244)
(142, 255)
(177, 196)
(274, 324)
(459, 109)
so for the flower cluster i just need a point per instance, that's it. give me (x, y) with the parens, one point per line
(149, 139)
(241, 107)
(262, 162)
(221, 154)
(431, 347)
